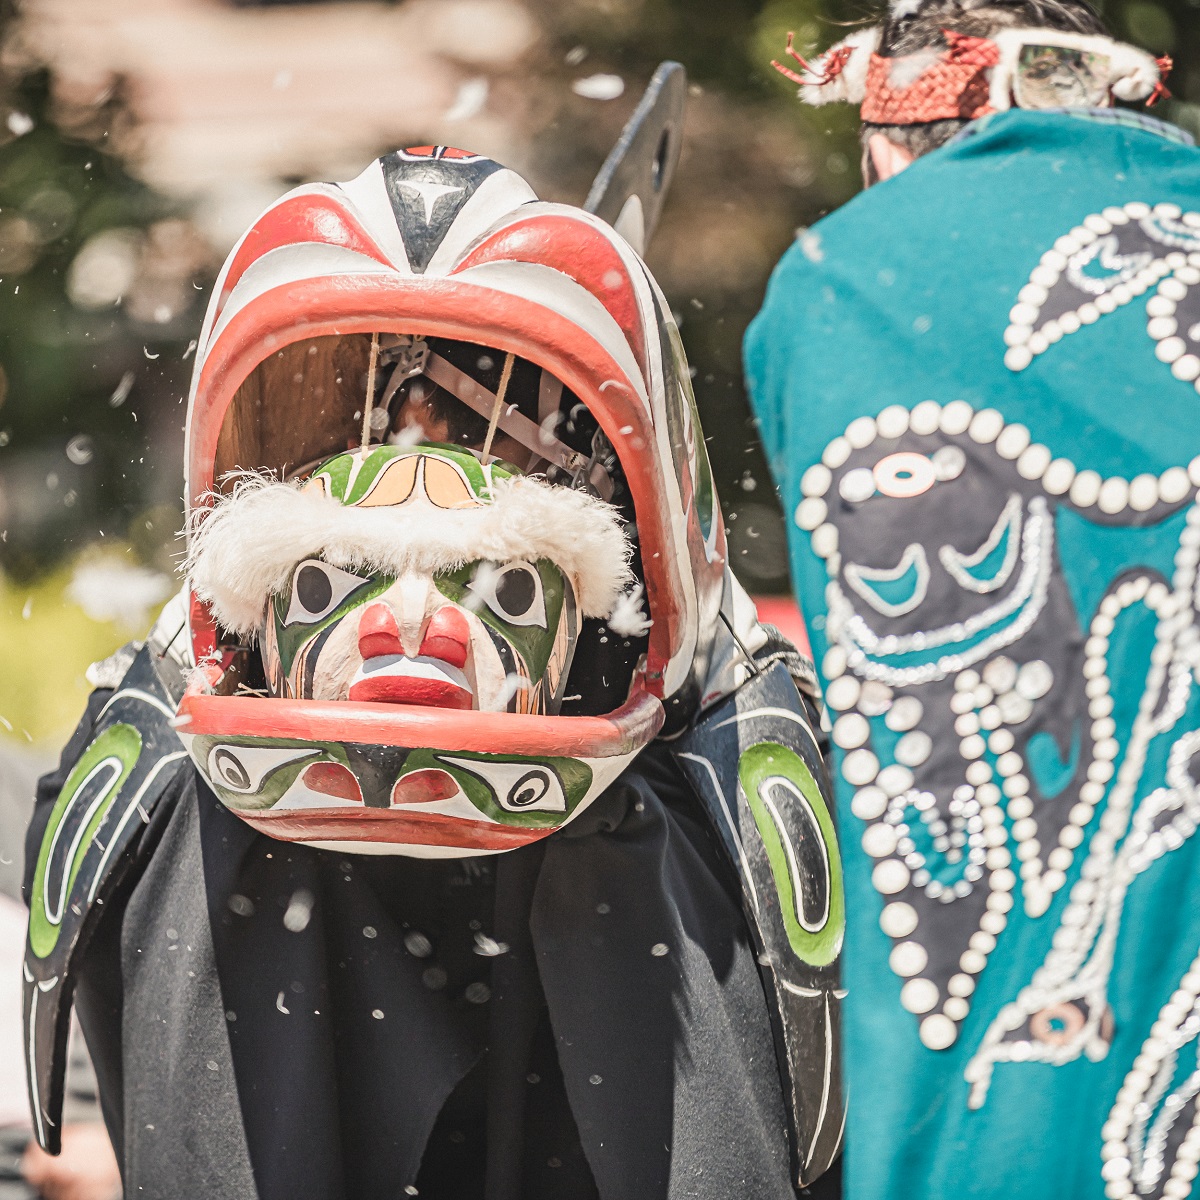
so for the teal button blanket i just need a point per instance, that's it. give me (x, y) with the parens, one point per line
(977, 384)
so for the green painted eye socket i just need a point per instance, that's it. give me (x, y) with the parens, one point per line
(514, 592)
(318, 596)
(522, 602)
(317, 589)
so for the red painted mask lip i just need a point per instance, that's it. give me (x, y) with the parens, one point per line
(426, 681)
(395, 826)
(404, 689)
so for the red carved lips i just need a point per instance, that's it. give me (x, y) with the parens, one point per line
(399, 680)
(433, 679)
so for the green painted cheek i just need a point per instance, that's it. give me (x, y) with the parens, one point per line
(88, 794)
(779, 786)
(291, 639)
(533, 643)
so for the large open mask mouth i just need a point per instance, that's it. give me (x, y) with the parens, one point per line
(361, 397)
(306, 402)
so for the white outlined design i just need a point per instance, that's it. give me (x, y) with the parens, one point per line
(988, 831)
(913, 559)
(959, 565)
(1105, 262)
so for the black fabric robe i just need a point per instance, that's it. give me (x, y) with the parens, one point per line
(580, 1018)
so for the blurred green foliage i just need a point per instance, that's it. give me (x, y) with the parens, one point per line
(82, 389)
(92, 393)
(41, 693)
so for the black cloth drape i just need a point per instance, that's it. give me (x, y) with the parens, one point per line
(374, 1042)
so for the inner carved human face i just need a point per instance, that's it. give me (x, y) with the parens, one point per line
(488, 636)
(416, 575)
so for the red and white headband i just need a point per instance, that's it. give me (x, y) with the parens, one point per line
(974, 76)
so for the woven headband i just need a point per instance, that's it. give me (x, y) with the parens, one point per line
(972, 77)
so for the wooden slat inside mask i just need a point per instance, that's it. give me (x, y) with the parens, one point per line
(301, 404)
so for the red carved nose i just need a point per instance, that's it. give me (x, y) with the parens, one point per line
(378, 633)
(447, 637)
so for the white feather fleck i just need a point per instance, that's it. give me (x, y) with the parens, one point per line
(628, 618)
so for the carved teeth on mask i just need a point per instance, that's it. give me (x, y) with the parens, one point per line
(242, 550)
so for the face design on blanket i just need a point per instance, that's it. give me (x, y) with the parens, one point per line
(979, 708)
(416, 576)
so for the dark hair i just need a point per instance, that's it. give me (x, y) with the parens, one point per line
(909, 32)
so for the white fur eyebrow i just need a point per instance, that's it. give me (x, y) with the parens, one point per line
(244, 549)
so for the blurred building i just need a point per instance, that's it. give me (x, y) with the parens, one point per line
(221, 105)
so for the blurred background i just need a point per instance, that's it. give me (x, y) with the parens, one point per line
(138, 139)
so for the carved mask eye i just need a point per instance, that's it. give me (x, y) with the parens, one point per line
(244, 769)
(513, 592)
(526, 786)
(317, 589)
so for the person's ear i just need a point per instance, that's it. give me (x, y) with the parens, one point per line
(887, 158)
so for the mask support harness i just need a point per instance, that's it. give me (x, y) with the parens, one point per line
(367, 404)
(501, 392)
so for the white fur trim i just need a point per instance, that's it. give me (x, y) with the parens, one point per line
(243, 549)
(1133, 73)
(850, 85)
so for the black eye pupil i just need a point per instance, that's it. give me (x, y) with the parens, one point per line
(313, 588)
(529, 789)
(516, 591)
(232, 770)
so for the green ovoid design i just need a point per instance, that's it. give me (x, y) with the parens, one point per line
(761, 770)
(90, 791)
